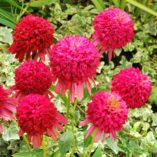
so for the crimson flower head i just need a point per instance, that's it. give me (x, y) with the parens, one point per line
(113, 28)
(74, 60)
(32, 38)
(37, 116)
(133, 86)
(32, 77)
(107, 113)
(7, 106)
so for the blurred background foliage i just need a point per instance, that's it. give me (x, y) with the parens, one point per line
(70, 17)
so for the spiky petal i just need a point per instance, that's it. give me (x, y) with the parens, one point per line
(133, 86)
(74, 60)
(7, 106)
(32, 38)
(37, 116)
(113, 28)
(107, 113)
(32, 77)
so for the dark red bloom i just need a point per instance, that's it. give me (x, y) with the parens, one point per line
(74, 60)
(133, 86)
(32, 38)
(113, 28)
(107, 113)
(32, 77)
(37, 116)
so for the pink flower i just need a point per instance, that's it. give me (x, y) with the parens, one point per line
(74, 61)
(113, 28)
(1, 129)
(37, 116)
(7, 106)
(32, 77)
(107, 113)
(133, 86)
(32, 38)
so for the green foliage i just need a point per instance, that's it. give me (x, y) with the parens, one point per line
(138, 137)
(65, 142)
(98, 153)
(72, 20)
(100, 5)
(40, 3)
(10, 133)
(34, 153)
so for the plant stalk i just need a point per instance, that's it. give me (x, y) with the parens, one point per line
(27, 143)
(44, 147)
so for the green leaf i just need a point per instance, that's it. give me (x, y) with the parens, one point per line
(7, 19)
(116, 3)
(113, 145)
(65, 142)
(10, 133)
(5, 35)
(41, 3)
(35, 153)
(6, 23)
(55, 154)
(143, 7)
(99, 4)
(98, 153)
(87, 141)
(38, 152)
(24, 154)
(14, 3)
(153, 97)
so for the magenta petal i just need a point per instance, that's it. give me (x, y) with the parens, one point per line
(60, 88)
(53, 133)
(72, 93)
(20, 132)
(90, 130)
(98, 135)
(10, 107)
(36, 140)
(6, 114)
(88, 87)
(42, 55)
(102, 51)
(113, 135)
(104, 137)
(110, 54)
(1, 129)
(59, 127)
(93, 82)
(85, 122)
(79, 91)
(61, 118)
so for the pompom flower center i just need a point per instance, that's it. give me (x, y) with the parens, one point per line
(113, 102)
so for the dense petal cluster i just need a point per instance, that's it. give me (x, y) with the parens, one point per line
(7, 106)
(107, 113)
(74, 60)
(36, 116)
(133, 86)
(32, 77)
(32, 38)
(113, 28)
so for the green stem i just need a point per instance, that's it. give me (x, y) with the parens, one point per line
(23, 11)
(44, 147)
(67, 109)
(27, 142)
(73, 128)
(68, 105)
(143, 7)
(92, 142)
